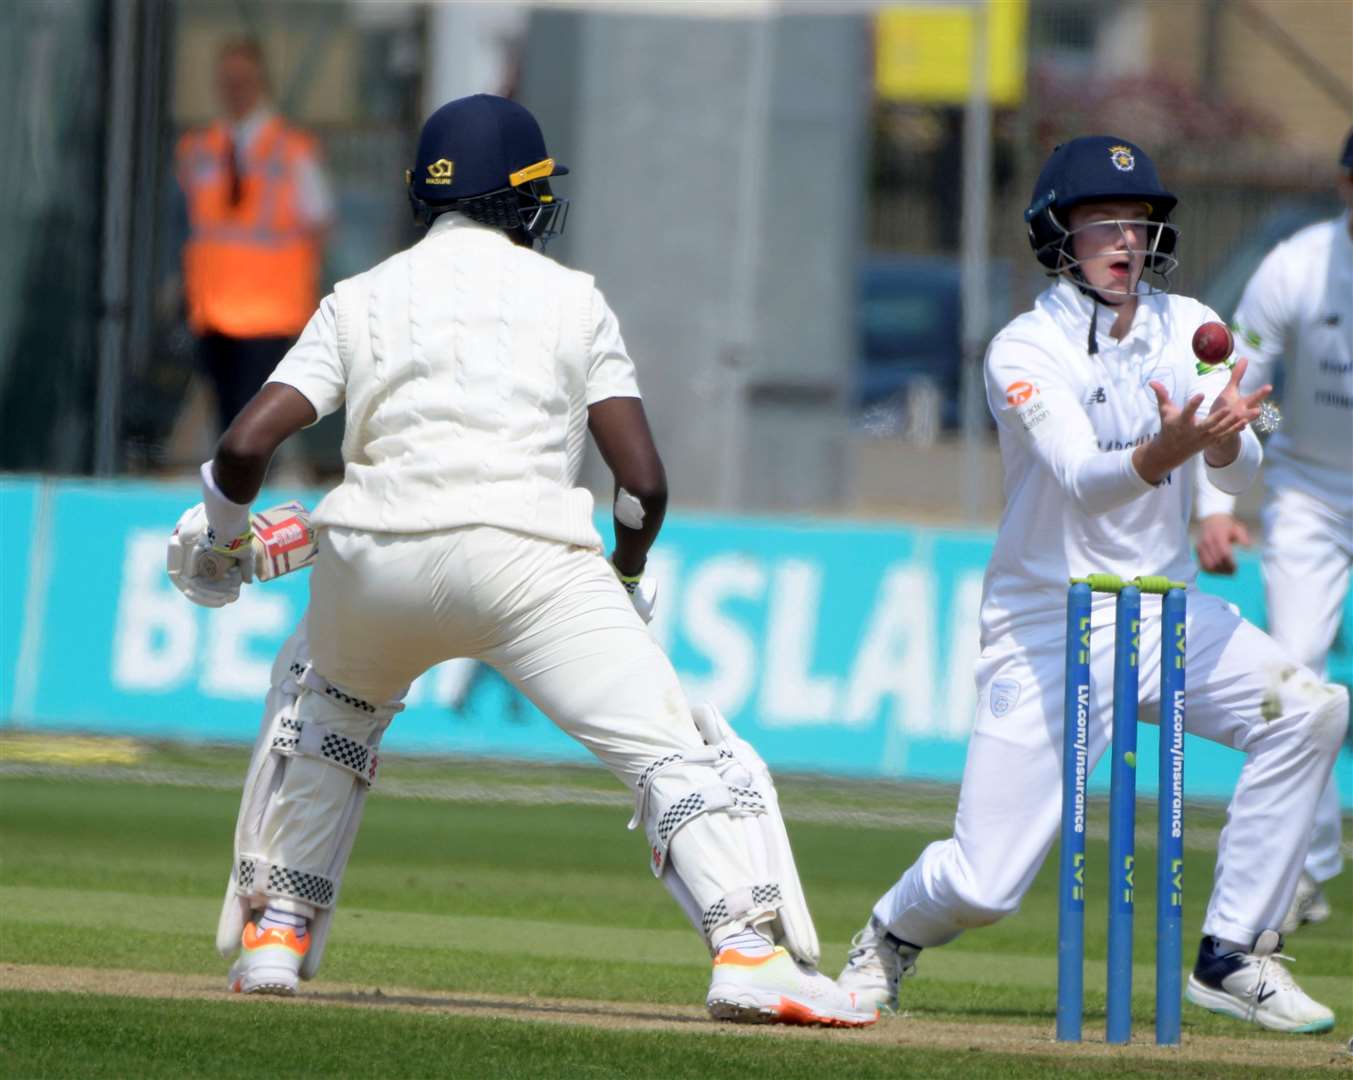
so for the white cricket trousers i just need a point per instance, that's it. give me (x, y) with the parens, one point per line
(1242, 690)
(1308, 551)
(551, 618)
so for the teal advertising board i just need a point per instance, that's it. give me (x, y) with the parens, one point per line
(834, 647)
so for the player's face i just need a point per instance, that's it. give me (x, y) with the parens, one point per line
(1110, 239)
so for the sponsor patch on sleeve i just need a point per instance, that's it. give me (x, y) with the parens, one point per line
(1017, 393)
(1033, 413)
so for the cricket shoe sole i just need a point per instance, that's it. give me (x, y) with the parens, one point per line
(774, 989)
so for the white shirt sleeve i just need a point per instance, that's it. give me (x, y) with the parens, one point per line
(610, 371)
(1208, 498)
(314, 365)
(1262, 320)
(1239, 475)
(1036, 404)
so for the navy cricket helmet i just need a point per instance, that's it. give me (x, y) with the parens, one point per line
(1098, 168)
(485, 156)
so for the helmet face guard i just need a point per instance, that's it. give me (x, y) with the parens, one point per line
(529, 207)
(1057, 250)
(1102, 169)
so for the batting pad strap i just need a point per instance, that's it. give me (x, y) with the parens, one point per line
(711, 797)
(306, 676)
(743, 905)
(309, 739)
(657, 768)
(258, 877)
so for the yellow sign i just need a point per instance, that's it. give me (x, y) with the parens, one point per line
(923, 52)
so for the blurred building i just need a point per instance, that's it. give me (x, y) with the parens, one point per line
(741, 171)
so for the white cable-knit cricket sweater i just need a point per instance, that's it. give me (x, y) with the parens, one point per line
(467, 365)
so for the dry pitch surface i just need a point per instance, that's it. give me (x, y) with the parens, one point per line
(900, 1031)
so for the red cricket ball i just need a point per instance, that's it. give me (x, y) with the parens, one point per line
(1212, 343)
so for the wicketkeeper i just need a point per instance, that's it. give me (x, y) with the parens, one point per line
(1101, 405)
(472, 367)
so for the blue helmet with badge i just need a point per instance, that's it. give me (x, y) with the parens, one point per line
(1099, 168)
(484, 156)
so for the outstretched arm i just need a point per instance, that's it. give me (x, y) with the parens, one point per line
(1220, 436)
(621, 431)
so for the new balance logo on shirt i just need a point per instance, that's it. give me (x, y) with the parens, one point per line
(1097, 396)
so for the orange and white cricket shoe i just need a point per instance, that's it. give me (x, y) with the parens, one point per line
(776, 989)
(269, 961)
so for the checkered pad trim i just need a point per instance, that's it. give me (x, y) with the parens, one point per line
(763, 896)
(661, 763)
(746, 798)
(299, 670)
(291, 736)
(676, 815)
(346, 753)
(282, 881)
(312, 888)
(688, 806)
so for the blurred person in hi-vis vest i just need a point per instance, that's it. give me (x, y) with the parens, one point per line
(257, 207)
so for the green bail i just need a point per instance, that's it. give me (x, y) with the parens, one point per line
(1110, 583)
(1158, 584)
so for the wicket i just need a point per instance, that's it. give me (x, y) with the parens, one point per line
(1122, 807)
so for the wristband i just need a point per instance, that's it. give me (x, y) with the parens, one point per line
(224, 517)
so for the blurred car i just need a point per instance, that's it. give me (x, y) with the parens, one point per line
(907, 380)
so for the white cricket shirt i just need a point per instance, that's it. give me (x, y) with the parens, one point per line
(1298, 306)
(1068, 423)
(467, 364)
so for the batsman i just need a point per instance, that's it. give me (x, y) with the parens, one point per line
(1102, 408)
(472, 368)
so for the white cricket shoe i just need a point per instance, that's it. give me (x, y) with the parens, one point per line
(776, 989)
(269, 961)
(1308, 905)
(876, 965)
(1255, 987)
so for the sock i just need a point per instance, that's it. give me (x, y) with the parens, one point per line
(275, 919)
(1223, 947)
(749, 941)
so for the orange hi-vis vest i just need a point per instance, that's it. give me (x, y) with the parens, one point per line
(250, 269)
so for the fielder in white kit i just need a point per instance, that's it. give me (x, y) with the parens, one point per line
(472, 369)
(1101, 405)
(1297, 310)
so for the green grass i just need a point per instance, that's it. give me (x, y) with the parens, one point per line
(536, 898)
(63, 1035)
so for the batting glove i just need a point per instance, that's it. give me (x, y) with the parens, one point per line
(208, 574)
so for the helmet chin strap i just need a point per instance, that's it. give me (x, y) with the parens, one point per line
(1096, 298)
